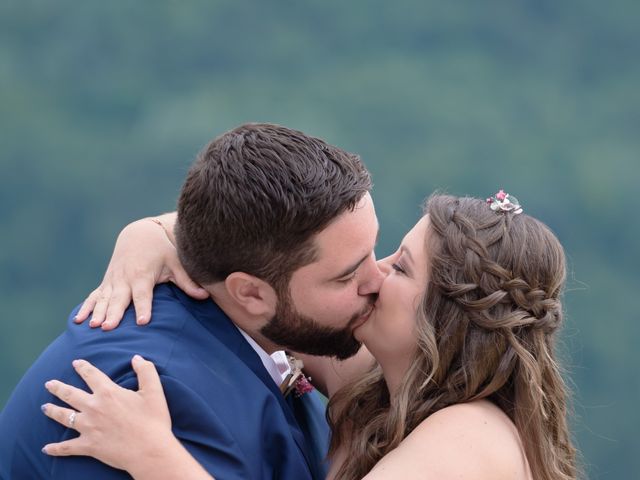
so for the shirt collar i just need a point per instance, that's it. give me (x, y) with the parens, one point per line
(276, 364)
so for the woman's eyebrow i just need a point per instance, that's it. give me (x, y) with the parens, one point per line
(407, 252)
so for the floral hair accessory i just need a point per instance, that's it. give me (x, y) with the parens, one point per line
(503, 202)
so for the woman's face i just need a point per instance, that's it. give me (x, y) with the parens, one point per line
(390, 331)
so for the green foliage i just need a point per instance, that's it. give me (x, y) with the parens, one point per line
(104, 104)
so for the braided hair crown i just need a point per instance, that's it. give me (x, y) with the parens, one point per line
(504, 270)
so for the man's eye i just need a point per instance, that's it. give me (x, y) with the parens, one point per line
(348, 279)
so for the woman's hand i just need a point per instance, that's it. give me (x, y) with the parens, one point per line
(122, 428)
(144, 256)
(119, 427)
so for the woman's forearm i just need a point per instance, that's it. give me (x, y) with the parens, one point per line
(168, 222)
(167, 460)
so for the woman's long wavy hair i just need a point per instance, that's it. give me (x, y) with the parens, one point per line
(486, 329)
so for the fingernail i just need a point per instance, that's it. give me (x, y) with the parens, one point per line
(43, 407)
(44, 449)
(47, 385)
(141, 318)
(137, 358)
(75, 363)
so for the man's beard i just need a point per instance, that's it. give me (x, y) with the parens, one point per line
(300, 333)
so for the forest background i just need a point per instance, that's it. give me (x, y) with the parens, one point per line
(103, 105)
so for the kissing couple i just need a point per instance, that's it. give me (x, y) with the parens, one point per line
(438, 361)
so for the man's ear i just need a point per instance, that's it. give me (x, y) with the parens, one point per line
(254, 295)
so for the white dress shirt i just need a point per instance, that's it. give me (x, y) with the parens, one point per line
(276, 364)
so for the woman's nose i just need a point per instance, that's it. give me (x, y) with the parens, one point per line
(384, 265)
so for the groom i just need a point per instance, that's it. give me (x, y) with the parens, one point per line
(279, 227)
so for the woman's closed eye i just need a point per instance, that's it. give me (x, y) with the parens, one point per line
(398, 268)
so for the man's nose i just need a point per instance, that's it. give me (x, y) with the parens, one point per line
(374, 279)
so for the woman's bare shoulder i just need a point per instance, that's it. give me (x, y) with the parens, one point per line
(471, 440)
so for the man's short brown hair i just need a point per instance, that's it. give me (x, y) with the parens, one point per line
(256, 196)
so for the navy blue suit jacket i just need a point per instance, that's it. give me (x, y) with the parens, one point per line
(225, 408)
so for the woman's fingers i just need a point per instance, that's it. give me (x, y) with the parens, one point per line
(142, 257)
(95, 379)
(100, 308)
(87, 306)
(142, 293)
(70, 395)
(75, 446)
(150, 391)
(64, 416)
(148, 378)
(183, 281)
(118, 302)
(113, 422)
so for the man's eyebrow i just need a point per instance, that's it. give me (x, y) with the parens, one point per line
(354, 267)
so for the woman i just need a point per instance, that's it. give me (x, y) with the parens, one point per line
(465, 383)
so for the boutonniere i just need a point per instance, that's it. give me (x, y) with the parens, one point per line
(296, 381)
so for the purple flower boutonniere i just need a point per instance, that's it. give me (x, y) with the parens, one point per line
(302, 386)
(296, 380)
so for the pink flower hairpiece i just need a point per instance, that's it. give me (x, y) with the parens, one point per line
(503, 202)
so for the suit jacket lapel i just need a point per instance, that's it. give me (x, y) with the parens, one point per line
(220, 325)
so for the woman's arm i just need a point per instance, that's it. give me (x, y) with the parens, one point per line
(144, 255)
(122, 428)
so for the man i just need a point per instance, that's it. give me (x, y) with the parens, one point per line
(279, 228)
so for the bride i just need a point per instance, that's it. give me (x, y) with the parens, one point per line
(465, 383)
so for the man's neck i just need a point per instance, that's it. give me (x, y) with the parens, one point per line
(248, 324)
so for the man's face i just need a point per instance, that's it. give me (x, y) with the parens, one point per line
(328, 298)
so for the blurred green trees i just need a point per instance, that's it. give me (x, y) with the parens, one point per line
(104, 104)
